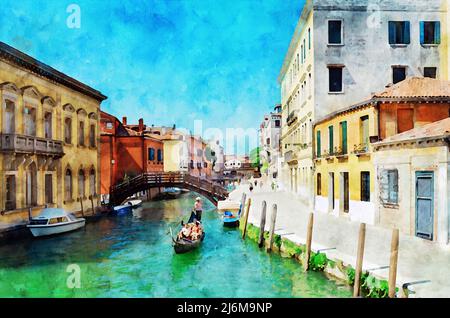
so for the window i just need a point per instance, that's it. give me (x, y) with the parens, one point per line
(81, 184)
(68, 185)
(309, 39)
(48, 188)
(48, 125)
(268, 141)
(430, 72)
(92, 136)
(364, 131)
(304, 49)
(109, 125)
(365, 186)
(159, 155)
(205, 165)
(277, 123)
(335, 79)
(301, 51)
(9, 119)
(68, 130)
(389, 186)
(334, 32)
(399, 32)
(81, 134)
(10, 188)
(318, 152)
(430, 32)
(319, 184)
(343, 137)
(331, 141)
(92, 183)
(398, 74)
(151, 154)
(30, 121)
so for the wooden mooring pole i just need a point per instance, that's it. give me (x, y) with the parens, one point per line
(359, 259)
(244, 197)
(81, 203)
(92, 204)
(262, 224)
(247, 212)
(273, 219)
(308, 241)
(393, 262)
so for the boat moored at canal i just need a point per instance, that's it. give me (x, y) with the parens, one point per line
(134, 203)
(54, 221)
(122, 209)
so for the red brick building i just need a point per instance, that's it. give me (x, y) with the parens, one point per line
(126, 151)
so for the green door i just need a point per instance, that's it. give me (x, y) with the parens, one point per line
(424, 204)
(344, 137)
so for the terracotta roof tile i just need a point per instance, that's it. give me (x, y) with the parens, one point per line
(417, 87)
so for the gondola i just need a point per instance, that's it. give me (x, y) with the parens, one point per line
(185, 245)
(230, 219)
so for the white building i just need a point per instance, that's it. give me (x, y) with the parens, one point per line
(217, 156)
(340, 53)
(270, 130)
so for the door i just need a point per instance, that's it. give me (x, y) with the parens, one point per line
(331, 192)
(346, 192)
(424, 204)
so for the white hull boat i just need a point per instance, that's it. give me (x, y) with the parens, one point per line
(134, 203)
(53, 221)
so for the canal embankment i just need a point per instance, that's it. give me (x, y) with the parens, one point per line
(422, 265)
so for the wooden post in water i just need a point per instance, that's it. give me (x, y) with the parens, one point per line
(82, 210)
(244, 196)
(393, 262)
(262, 224)
(273, 218)
(308, 240)
(359, 259)
(247, 211)
(92, 204)
(30, 215)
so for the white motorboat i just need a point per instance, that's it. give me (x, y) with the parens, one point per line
(134, 203)
(228, 205)
(54, 221)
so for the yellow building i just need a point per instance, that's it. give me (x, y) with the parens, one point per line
(344, 170)
(176, 155)
(49, 137)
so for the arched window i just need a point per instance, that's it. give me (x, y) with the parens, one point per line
(81, 133)
(29, 119)
(92, 136)
(159, 155)
(31, 185)
(92, 183)
(68, 185)
(68, 130)
(151, 154)
(48, 125)
(9, 126)
(81, 183)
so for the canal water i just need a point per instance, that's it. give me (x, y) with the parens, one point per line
(132, 256)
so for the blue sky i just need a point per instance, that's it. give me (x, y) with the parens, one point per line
(168, 62)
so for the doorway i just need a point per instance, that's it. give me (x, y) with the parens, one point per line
(424, 204)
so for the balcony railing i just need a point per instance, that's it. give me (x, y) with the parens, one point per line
(30, 145)
(291, 118)
(361, 149)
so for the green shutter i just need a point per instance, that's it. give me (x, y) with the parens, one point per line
(318, 145)
(407, 36)
(422, 32)
(391, 32)
(344, 137)
(331, 139)
(437, 32)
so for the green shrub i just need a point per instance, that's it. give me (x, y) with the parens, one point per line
(277, 240)
(317, 262)
(375, 288)
(350, 276)
(290, 248)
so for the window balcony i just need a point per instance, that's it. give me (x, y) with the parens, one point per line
(291, 118)
(361, 149)
(30, 145)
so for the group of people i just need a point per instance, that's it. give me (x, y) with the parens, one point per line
(193, 230)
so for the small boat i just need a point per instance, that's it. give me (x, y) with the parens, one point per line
(184, 245)
(54, 221)
(228, 205)
(122, 209)
(171, 192)
(134, 203)
(230, 219)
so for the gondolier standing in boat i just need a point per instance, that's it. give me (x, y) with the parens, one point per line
(198, 208)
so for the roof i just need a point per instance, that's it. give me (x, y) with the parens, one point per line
(438, 129)
(48, 213)
(417, 87)
(412, 89)
(31, 64)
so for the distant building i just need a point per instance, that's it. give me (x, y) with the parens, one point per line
(216, 152)
(413, 187)
(345, 176)
(344, 51)
(199, 164)
(49, 138)
(270, 130)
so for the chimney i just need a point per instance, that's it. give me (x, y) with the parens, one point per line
(141, 125)
(124, 120)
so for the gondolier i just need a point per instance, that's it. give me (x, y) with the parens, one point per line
(198, 208)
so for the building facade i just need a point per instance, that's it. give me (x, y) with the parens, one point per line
(49, 121)
(345, 178)
(270, 130)
(336, 46)
(413, 169)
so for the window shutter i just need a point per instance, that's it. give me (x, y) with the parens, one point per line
(318, 144)
(422, 32)
(384, 186)
(437, 32)
(391, 32)
(407, 32)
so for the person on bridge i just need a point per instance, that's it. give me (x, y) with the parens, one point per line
(198, 208)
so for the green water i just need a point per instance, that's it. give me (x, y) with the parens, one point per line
(132, 256)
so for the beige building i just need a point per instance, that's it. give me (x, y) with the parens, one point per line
(340, 55)
(49, 152)
(413, 181)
